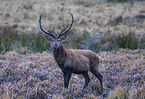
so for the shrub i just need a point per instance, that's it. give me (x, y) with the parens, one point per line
(127, 40)
(8, 35)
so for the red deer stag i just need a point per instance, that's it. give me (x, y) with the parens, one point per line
(73, 60)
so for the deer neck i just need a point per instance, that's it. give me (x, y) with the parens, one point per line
(60, 54)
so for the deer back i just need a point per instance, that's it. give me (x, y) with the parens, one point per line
(81, 60)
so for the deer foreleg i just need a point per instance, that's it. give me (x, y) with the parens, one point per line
(67, 77)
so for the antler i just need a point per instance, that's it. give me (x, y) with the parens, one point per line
(48, 33)
(64, 32)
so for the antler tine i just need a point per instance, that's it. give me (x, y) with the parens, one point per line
(48, 33)
(64, 32)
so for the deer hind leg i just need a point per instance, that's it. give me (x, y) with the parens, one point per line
(67, 77)
(98, 75)
(87, 79)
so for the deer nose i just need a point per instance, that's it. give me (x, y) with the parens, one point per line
(55, 44)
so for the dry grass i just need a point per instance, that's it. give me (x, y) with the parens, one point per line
(28, 75)
(37, 75)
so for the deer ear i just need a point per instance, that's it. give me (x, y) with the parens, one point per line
(63, 37)
(49, 38)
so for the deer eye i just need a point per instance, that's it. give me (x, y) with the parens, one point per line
(52, 40)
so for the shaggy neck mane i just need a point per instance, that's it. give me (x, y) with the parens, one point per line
(59, 54)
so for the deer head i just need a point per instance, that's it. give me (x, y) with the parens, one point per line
(56, 40)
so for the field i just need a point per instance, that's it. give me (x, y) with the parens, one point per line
(28, 69)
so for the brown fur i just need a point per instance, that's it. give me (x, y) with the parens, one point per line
(77, 61)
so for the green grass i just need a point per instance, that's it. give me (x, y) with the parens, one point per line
(127, 40)
(10, 39)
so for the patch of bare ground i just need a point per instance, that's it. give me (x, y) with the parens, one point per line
(36, 75)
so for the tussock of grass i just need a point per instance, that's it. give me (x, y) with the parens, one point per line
(138, 93)
(127, 41)
(57, 97)
(118, 93)
(123, 93)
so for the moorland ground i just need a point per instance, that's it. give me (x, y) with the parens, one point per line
(27, 66)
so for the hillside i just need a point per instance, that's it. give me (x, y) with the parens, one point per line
(28, 69)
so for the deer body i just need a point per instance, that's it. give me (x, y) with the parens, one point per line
(73, 60)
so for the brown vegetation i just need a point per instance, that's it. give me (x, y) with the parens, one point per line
(26, 75)
(130, 20)
(28, 70)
